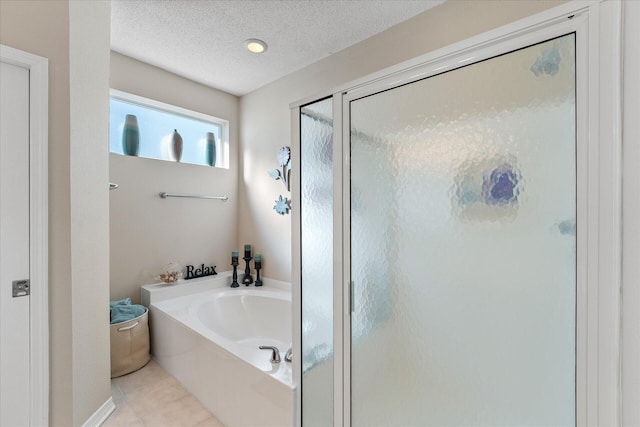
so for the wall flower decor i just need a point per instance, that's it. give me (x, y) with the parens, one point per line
(282, 205)
(284, 159)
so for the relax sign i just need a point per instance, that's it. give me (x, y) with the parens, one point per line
(191, 272)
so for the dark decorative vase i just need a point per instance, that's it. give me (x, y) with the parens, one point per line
(176, 145)
(130, 136)
(211, 149)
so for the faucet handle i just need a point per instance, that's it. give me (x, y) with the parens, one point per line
(275, 353)
(288, 357)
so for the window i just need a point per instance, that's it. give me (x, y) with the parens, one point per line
(156, 123)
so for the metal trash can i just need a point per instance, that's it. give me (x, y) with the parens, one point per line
(130, 345)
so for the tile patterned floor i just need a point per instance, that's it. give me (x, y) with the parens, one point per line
(150, 397)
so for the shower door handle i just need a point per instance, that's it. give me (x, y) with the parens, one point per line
(351, 302)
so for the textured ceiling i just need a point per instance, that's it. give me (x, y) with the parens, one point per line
(204, 40)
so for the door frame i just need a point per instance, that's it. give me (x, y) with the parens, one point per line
(598, 337)
(631, 225)
(38, 228)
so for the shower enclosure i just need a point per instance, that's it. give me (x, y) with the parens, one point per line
(443, 229)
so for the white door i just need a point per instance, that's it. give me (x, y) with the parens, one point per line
(14, 245)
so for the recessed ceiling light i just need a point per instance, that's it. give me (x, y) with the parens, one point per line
(255, 45)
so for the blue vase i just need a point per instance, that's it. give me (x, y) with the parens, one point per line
(130, 136)
(211, 149)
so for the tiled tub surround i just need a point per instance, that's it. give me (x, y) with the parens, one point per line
(207, 334)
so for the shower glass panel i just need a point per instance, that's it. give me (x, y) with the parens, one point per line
(463, 245)
(316, 214)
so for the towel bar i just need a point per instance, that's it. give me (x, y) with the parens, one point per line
(165, 195)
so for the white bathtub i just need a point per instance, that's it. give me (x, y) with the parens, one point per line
(207, 334)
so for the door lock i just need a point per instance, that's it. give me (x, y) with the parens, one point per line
(21, 288)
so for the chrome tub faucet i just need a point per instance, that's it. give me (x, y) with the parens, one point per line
(275, 353)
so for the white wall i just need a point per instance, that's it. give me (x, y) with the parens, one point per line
(74, 36)
(265, 120)
(148, 232)
(89, 41)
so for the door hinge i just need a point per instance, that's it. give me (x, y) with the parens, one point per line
(21, 288)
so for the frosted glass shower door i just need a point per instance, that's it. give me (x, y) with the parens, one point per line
(463, 245)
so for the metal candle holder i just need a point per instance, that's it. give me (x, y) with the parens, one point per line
(258, 264)
(247, 279)
(234, 282)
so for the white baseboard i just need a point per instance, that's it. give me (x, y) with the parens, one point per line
(101, 414)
